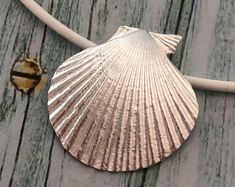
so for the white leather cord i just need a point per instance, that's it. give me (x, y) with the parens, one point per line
(56, 25)
(50, 21)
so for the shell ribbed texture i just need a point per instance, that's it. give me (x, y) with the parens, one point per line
(122, 105)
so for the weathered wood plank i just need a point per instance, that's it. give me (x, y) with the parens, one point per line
(14, 105)
(207, 159)
(32, 159)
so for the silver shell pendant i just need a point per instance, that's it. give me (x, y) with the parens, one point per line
(122, 105)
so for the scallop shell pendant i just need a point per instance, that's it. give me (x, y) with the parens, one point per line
(122, 105)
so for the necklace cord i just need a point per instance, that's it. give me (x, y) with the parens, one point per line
(50, 21)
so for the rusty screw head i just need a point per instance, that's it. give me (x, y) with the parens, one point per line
(27, 74)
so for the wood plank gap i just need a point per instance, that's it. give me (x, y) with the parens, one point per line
(187, 29)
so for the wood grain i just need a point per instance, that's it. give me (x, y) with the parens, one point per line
(31, 156)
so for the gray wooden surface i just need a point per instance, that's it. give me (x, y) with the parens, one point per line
(30, 154)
